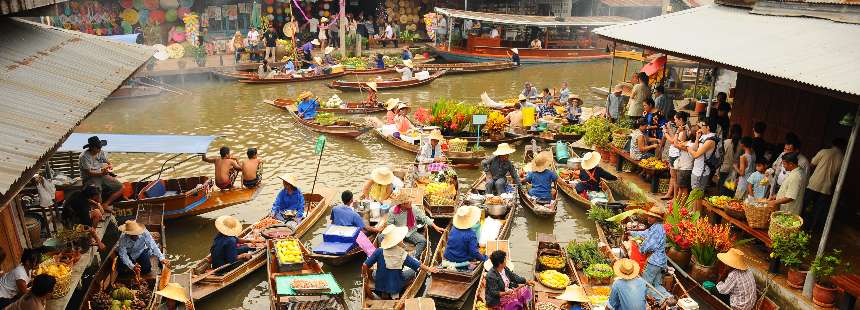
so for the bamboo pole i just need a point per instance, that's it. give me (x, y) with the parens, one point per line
(342, 22)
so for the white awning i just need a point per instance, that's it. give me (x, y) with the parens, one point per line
(531, 20)
(812, 51)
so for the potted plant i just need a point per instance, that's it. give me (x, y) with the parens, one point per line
(598, 130)
(678, 224)
(599, 273)
(199, 53)
(824, 268)
(707, 240)
(792, 250)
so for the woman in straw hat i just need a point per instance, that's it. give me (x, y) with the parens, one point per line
(328, 59)
(431, 150)
(575, 297)
(391, 105)
(405, 70)
(654, 244)
(381, 185)
(462, 248)
(372, 97)
(497, 168)
(134, 248)
(227, 248)
(406, 214)
(515, 56)
(307, 51)
(590, 174)
(308, 106)
(739, 283)
(390, 277)
(628, 290)
(175, 297)
(541, 178)
(505, 289)
(289, 205)
(318, 66)
(402, 119)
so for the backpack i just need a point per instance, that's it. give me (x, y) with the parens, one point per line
(716, 158)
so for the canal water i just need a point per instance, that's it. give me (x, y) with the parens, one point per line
(237, 115)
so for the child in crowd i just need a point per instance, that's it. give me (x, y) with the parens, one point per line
(758, 182)
(574, 110)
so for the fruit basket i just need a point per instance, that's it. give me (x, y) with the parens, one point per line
(552, 259)
(289, 255)
(62, 273)
(783, 223)
(554, 279)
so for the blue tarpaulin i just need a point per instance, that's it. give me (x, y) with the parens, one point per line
(127, 38)
(173, 144)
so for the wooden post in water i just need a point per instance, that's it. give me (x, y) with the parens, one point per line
(342, 24)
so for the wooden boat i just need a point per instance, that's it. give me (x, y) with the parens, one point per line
(370, 71)
(390, 84)
(510, 138)
(369, 300)
(234, 75)
(280, 79)
(134, 92)
(356, 252)
(348, 131)
(450, 288)
(480, 293)
(570, 190)
(206, 282)
(467, 67)
(184, 197)
(183, 279)
(107, 277)
(472, 158)
(690, 287)
(351, 107)
(444, 212)
(541, 210)
(305, 300)
(547, 245)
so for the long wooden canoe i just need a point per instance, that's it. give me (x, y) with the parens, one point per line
(304, 300)
(185, 197)
(183, 279)
(467, 67)
(256, 80)
(107, 277)
(466, 158)
(370, 71)
(369, 300)
(390, 84)
(449, 288)
(570, 190)
(205, 282)
(352, 107)
(234, 75)
(548, 245)
(349, 131)
(480, 293)
(541, 210)
(509, 138)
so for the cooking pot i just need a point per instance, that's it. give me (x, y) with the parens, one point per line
(496, 210)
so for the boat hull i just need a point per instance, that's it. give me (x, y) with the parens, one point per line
(341, 131)
(357, 86)
(254, 80)
(468, 67)
(500, 54)
(192, 202)
(462, 158)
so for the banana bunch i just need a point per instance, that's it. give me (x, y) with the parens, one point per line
(652, 163)
(288, 251)
(554, 279)
(54, 269)
(719, 201)
(480, 305)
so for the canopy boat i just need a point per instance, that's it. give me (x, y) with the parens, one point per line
(290, 79)
(467, 67)
(449, 288)
(369, 300)
(349, 108)
(234, 75)
(183, 279)
(472, 158)
(302, 284)
(564, 185)
(107, 279)
(348, 130)
(567, 39)
(183, 196)
(207, 281)
(389, 84)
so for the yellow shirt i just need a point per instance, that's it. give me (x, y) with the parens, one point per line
(792, 188)
(827, 164)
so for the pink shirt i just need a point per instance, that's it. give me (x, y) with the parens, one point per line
(389, 117)
(403, 124)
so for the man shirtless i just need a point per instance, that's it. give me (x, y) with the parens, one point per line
(225, 168)
(250, 172)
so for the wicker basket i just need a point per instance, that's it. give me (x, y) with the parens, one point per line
(758, 215)
(620, 139)
(663, 185)
(64, 284)
(776, 230)
(741, 215)
(627, 166)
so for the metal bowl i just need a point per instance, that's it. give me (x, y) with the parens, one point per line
(496, 210)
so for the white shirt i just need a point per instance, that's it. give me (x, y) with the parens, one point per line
(253, 36)
(8, 286)
(389, 32)
(494, 33)
(314, 24)
(407, 73)
(781, 174)
(699, 167)
(827, 164)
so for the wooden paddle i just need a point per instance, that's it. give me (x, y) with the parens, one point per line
(213, 271)
(165, 277)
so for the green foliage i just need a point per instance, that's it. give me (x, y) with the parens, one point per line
(697, 92)
(585, 253)
(599, 271)
(828, 265)
(598, 130)
(599, 214)
(792, 248)
(407, 36)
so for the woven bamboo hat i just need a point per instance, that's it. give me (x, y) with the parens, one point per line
(408, 63)
(132, 228)
(228, 225)
(392, 103)
(466, 217)
(574, 293)
(436, 135)
(382, 175)
(540, 162)
(402, 196)
(734, 258)
(655, 211)
(305, 94)
(504, 149)
(328, 50)
(590, 160)
(393, 235)
(174, 291)
(626, 268)
(515, 50)
(289, 178)
(371, 85)
(315, 42)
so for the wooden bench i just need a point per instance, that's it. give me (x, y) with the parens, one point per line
(851, 285)
(653, 174)
(715, 212)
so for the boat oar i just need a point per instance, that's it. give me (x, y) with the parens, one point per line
(224, 267)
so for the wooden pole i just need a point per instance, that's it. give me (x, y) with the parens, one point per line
(343, 33)
(611, 68)
(450, 31)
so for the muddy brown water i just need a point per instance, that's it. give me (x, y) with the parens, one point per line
(237, 115)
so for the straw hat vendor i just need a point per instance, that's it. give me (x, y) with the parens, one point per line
(405, 70)
(289, 205)
(328, 59)
(227, 248)
(381, 185)
(575, 297)
(739, 283)
(497, 168)
(308, 105)
(318, 66)
(175, 297)
(515, 56)
(505, 289)
(628, 290)
(462, 248)
(134, 248)
(390, 277)
(96, 169)
(540, 177)
(405, 214)
(307, 51)
(401, 120)
(590, 173)
(654, 244)
(372, 97)
(431, 150)
(391, 106)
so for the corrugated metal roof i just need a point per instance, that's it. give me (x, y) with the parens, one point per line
(812, 51)
(50, 80)
(545, 21)
(632, 3)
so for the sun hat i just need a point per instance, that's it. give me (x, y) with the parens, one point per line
(228, 225)
(371, 85)
(174, 291)
(540, 162)
(392, 235)
(734, 258)
(522, 98)
(382, 175)
(590, 160)
(401, 196)
(466, 217)
(328, 50)
(392, 103)
(574, 293)
(618, 87)
(504, 149)
(408, 63)
(315, 42)
(289, 178)
(515, 50)
(132, 228)
(402, 105)
(94, 141)
(436, 135)
(626, 268)
(318, 60)
(305, 94)
(655, 211)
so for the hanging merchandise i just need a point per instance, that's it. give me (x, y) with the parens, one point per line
(192, 28)
(169, 4)
(170, 15)
(126, 4)
(126, 27)
(68, 10)
(270, 10)
(150, 4)
(182, 11)
(255, 15)
(138, 4)
(156, 16)
(130, 16)
(143, 17)
(186, 3)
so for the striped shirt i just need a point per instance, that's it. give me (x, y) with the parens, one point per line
(740, 286)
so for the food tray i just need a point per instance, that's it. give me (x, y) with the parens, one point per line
(283, 284)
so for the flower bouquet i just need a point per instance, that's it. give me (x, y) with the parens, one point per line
(495, 126)
(451, 116)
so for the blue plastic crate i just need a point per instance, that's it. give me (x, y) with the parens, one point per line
(333, 248)
(340, 234)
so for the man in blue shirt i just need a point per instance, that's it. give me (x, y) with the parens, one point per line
(541, 178)
(515, 56)
(390, 276)
(307, 50)
(134, 248)
(308, 106)
(462, 242)
(654, 243)
(289, 205)
(344, 215)
(226, 247)
(628, 290)
(407, 54)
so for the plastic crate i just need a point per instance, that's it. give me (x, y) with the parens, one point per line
(340, 234)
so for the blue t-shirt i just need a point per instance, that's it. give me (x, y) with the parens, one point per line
(389, 280)
(308, 109)
(285, 201)
(462, 246)
(759, 191)
(628, 294)
(343, 215)
(223, 250)
(541, 183)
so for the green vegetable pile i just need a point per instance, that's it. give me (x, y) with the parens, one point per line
(585, 253)
(787, 220)
(600, 214)
(326, 118)
(597, 131)
(358, 63)
(577, 129)
(599, 271)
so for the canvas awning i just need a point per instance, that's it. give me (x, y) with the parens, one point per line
(530, 20)
(166, 144)
(632, 3)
